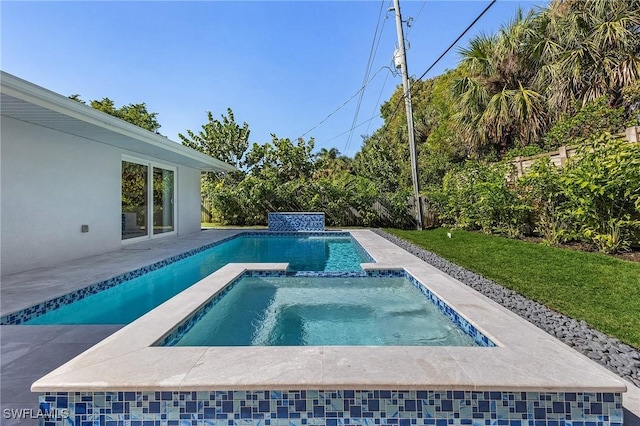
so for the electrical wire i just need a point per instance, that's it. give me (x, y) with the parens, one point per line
(384, 84)
(458, 39)
(355, 127)
(397, 107)
(344, 104)
(416, 18)
(372, 54)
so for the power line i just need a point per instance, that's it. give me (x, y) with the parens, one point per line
(381, 92)
(396, 108)
(372, 54)
(344, 104)
(384, 84)
(416, 18)
(458, 39)
(354, 127)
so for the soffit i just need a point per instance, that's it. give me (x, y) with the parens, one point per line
(30, 103)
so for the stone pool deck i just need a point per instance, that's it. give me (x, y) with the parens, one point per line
(570, 369)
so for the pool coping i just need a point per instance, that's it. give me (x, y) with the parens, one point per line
(527, 359)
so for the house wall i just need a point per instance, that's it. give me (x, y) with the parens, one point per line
(54, 182)
(189, 195)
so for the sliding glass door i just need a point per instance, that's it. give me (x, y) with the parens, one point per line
(162, 200)
(148, 193)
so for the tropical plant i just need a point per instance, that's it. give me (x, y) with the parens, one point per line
(602, 189)
(593, 118)
(587, 49)
(497, 107)
(541, 189)
(480, 196)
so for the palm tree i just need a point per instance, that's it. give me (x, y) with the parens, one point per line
(497, 105)
(329, 161)
(587, 49)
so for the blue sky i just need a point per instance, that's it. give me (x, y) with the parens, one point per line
(282, 66)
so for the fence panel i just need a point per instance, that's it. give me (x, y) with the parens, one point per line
(205, 211)
(559, 158)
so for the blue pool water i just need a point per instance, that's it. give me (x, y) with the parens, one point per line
(316, 311)
(126, 302)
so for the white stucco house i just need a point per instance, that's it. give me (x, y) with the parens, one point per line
(76, 182)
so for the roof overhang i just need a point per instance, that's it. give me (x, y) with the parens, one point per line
(33, 104)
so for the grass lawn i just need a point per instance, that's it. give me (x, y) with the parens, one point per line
(600, 289)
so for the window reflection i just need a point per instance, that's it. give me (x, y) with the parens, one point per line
(162, 200)
(134, 200)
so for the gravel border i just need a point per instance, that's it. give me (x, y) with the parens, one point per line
(610, 352)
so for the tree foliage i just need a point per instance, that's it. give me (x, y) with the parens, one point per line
(222, 139)
(551, 77)
(133, 113)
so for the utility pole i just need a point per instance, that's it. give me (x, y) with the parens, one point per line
(402, 58)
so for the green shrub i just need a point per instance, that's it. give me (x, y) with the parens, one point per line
(594, 118)
(602, 189)
(479, 196)
(541, 189)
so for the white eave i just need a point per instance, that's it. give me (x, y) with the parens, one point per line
(28, 102)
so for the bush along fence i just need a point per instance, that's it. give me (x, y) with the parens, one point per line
(559, 157)
(381, 210)
(594, 198)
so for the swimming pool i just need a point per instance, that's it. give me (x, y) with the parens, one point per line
(319, 311)
(121, 300)
(528, 378)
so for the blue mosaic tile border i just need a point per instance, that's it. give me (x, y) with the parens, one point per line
(21, 316)
(481, 340)
(185, 325)
(332, 408)
(457, 319)
(296, 222)
(452, 314)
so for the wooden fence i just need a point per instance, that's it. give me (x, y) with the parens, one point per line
(383, 216)
(559, 157)
(205, 211)
(428, 212)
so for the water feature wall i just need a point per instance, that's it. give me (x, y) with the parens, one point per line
(296, 222)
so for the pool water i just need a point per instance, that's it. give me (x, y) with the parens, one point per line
(317, 311)
(128, 301)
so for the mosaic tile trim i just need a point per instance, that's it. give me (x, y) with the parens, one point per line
(296, 222)
(457, 319)
(185, 325)
(332, 408)
(20, 317)
(24, 315)
(328, 234)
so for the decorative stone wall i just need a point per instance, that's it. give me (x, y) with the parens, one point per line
(296, 222)
(332, 408)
